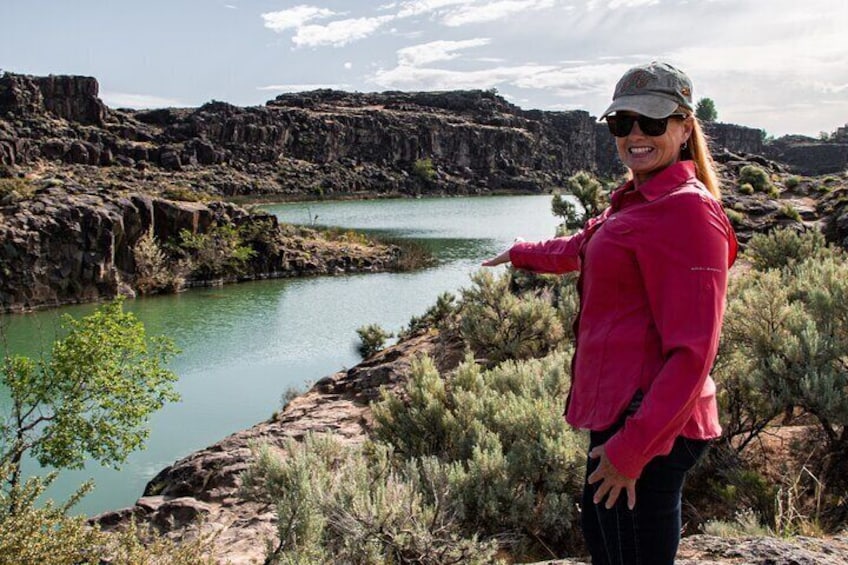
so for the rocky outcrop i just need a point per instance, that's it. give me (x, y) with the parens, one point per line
(317, 143)
(808, 156)
(206, 483)
(328, 142)
(734, 138)
(200, 494)
(712, 550)
(72, 98)
(68, 244)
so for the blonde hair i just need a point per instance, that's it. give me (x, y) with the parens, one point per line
(698, 151)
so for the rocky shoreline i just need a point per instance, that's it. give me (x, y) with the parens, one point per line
(68, 244)
(199, 494)
(82, 184)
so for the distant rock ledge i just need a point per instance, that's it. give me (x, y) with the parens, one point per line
(329, 143)
(68, 244)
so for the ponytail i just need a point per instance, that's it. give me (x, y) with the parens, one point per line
(699, 152)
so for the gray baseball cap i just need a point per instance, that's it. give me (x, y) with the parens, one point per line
(655, 90)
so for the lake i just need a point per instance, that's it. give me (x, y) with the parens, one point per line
(244, 345)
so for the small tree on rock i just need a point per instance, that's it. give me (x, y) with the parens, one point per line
(590, 194)
(705, 110)
(91, 399)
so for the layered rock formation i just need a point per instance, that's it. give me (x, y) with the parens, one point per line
(307, 144)
(68, 244)
(73, 244)
(329, 142)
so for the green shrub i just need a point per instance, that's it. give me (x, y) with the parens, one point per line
(823, 188)
(499, 325)
(517, 467)
(441, 316)
(783, 246)
(372, 338)
(154, 271)
(757, 177)
(785, 342)
(341, 504)
(424, 169)
(746, 524)
(792, 182)
(184, 194)
(260, 232)
(790, 212)
(591, 196)
(736, 217)
(15, 189)
(217, 252)
(746, 188)
(43, 534)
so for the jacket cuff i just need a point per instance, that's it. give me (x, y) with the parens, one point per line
(626, 460)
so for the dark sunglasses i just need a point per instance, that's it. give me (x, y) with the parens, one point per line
(620, 126)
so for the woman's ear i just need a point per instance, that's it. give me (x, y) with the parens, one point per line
(688, 128)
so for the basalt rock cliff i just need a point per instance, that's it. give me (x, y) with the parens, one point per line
(310, 144)
(327, 142)
(68, 244)
(80, 182)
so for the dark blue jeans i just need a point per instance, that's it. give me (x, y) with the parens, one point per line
(650, 533)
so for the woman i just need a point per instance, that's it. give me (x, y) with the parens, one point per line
(653, 277)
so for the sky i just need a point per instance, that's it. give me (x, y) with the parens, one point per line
(777, 65)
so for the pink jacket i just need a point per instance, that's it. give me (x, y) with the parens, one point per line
(652, 292)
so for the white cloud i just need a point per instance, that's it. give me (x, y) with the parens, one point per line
(419, 55)
(493, 11)
(138, 101)
(419, 7)
(577, 80)
(338, 33)
(348, 65)
(618, 4)
(413, 78)
(302, 87)
(294, 17)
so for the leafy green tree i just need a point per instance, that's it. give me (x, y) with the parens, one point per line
(90, 399)
(705, 110)
(590, 194)
(372, 338)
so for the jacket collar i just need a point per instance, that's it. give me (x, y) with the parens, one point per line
(662, 183)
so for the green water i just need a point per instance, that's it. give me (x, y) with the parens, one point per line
(244, 345)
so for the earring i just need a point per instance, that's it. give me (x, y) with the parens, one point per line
(685, 145)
